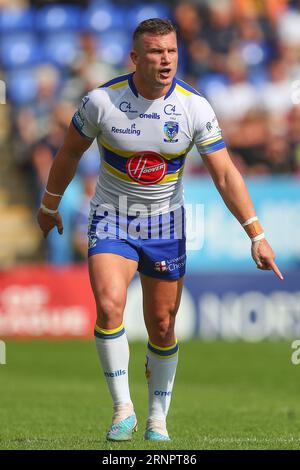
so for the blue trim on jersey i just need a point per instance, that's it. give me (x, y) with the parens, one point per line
(220, 144)
(118, 162)
(132, 85)
(160, 352)
(79, 130)
(119, 79)
(171, 89)
(108, 336)
(188, 87)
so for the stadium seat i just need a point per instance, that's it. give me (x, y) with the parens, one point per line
(210, 82)
(144, 11)
(60, 48)
(103, 17)
(115, 47)
(19, 50)
(22, 86)
(58, 17)
(16, 19)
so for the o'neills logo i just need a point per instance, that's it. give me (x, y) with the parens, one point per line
(146, 167)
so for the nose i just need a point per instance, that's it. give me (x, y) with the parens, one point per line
(166, 59)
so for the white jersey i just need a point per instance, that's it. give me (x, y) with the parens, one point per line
(143, 143)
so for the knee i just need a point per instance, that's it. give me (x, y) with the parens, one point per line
(110, 307)
(165, 326)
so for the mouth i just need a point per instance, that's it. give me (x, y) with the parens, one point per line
(165, 72)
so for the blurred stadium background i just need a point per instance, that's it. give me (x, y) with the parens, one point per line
(244, 55)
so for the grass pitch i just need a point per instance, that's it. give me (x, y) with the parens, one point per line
(226, 396)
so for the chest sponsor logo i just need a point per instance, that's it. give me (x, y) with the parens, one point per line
(171, 130)
(128, 130)
(149, 116)
(126, 107)
(170, 110)
(146, 167)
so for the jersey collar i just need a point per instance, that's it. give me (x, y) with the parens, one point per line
(136, 93)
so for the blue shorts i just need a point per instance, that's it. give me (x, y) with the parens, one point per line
(158, 244)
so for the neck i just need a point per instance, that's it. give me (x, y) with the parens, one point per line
(148, 91)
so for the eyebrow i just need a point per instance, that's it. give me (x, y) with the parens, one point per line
(162, 48)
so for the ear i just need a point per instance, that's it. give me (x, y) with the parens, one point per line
(134, 57)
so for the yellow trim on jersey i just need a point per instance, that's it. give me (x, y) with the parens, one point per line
(126, 154)
(163, 349)
(118, 85)
(211, 141)
(172, 176)
(123, 176)
(122, 153)
(119, 174)
(109, 332)
(183, 90)
(107, 81)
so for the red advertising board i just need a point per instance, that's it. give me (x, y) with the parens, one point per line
(46, 302)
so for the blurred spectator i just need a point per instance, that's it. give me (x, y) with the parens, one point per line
(88, 69)
(276, 92)
(238, 97)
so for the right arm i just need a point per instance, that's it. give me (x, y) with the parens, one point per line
(61, 174)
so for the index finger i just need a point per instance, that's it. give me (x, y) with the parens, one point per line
(275, 268)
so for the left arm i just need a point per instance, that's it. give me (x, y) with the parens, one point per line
(233, 190)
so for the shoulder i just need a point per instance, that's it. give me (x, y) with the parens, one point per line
(191, 97)
(105, 93)
(115, 83)
(185, 89)
(194, 101)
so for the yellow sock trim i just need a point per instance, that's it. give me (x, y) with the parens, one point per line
(109, 332)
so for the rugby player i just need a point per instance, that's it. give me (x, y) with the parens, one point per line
(145, 123)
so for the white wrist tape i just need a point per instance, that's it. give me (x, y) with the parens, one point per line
(52, 194)
(249, 221)
(258, 237)
(47, 210)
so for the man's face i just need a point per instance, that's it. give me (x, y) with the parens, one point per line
(156, 57)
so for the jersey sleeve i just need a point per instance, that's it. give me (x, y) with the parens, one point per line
(207, 133)
(86, 119)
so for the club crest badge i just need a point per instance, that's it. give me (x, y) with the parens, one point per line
(171, 129)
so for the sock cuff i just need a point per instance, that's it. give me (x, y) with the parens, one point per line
(109, 334)
(167, 352)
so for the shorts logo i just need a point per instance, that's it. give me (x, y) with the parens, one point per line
(160, 266)
(92, 241)
(170, 265)
(146, 167)
(171, 130)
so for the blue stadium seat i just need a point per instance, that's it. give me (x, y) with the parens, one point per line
(211, 81)
(22, 86)
(104, 17)
(144, 11)
(19, 50)
(60, 48)
(58, 17)
(16, 19)
(115, 47)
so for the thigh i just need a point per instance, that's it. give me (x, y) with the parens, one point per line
(110, 276)
(161, 300)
